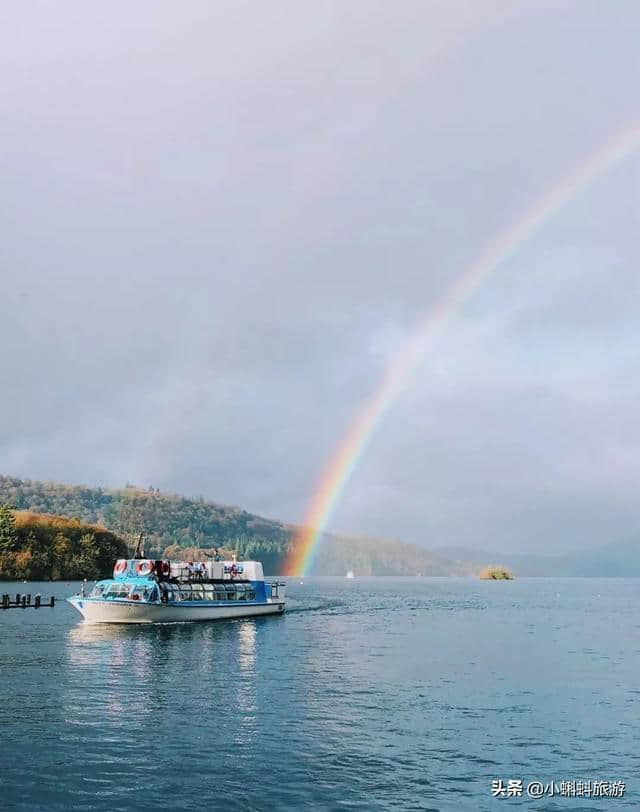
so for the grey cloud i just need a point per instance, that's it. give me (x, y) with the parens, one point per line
(220, 223)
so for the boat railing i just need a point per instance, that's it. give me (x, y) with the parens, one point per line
(275, 588)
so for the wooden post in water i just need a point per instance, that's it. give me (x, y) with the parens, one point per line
(24, 601)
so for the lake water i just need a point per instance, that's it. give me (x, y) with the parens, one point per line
(376, 693)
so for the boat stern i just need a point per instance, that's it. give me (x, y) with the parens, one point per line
(275, 592)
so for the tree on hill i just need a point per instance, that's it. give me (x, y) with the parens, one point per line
(8, 535)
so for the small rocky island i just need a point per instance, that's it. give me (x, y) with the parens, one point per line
(496, 573)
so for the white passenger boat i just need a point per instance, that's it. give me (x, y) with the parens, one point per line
(147, 591)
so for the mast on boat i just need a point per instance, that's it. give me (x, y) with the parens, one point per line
(139, 553)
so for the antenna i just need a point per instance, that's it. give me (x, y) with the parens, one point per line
(139, 553)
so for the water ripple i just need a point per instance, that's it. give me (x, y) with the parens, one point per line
(369, 694)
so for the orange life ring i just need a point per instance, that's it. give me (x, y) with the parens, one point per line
(144, 567)
(120, 566)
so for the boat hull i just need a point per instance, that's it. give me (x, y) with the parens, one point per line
(124, 611)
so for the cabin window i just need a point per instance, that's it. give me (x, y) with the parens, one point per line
(220, 593)
(241, 592)
(197, 593)
(97, 591)
(118, 591)
(251, 594)
(208, 592)
(144, 593)
(185, 592)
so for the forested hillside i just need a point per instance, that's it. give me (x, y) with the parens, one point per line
(175, 525)
(166, 519)
(41, 547)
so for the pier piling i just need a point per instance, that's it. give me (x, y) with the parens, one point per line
(25, 602)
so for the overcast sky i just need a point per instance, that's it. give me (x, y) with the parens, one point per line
(222, 220)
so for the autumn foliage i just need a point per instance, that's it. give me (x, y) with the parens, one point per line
(35, 546)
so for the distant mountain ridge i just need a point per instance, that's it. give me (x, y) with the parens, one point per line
(614, 560)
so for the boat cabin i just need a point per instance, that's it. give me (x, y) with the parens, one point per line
(165, 581)
(188, 571)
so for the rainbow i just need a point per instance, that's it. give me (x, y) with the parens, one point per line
(359, 434)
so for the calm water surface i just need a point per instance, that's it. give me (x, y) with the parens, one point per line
(370, 694)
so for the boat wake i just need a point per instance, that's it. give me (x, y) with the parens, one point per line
(294, 606)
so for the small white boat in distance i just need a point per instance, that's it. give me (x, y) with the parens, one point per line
(350, 574)
(146, 591)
